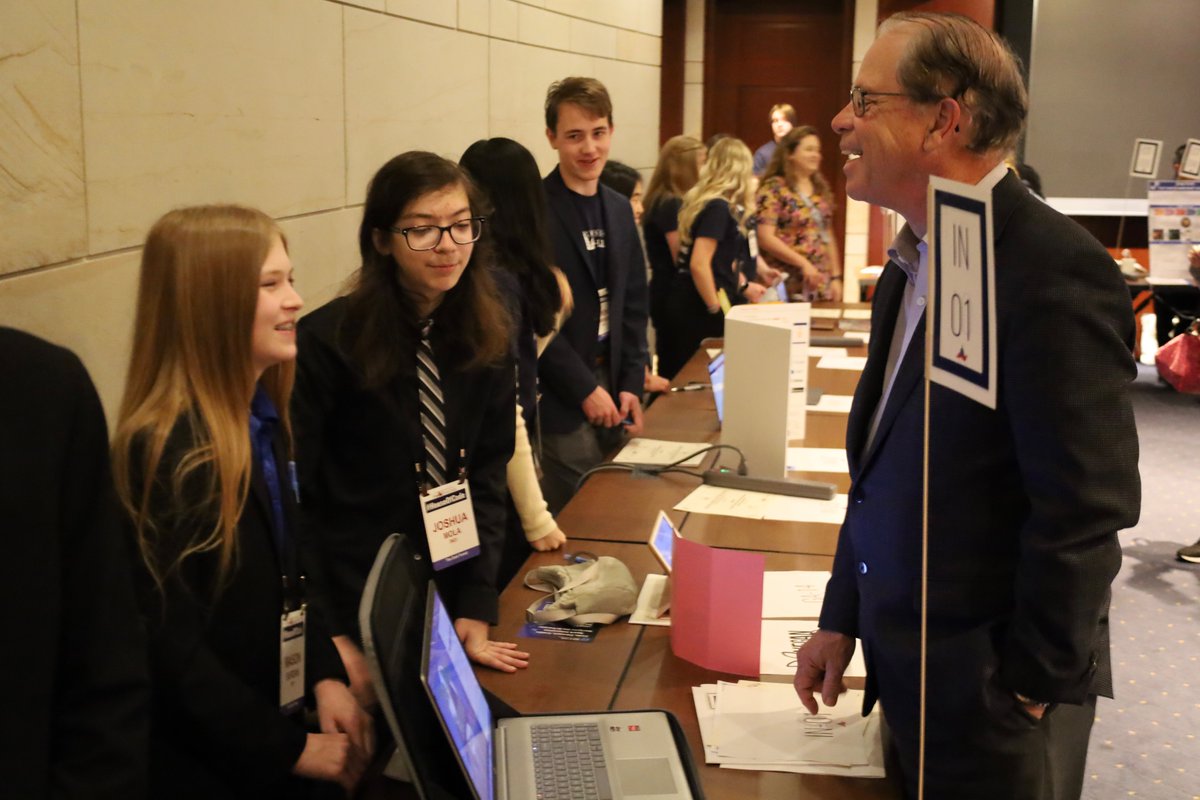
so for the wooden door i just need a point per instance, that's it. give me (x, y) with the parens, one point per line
(762, 52)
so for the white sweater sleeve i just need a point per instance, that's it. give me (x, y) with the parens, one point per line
(536, 519)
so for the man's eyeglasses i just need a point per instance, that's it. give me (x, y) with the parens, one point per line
(427, 237)
(858, 99)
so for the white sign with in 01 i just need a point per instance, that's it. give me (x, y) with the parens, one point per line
(962, 290)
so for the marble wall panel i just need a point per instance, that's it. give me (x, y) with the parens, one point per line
(473, 15)
(439, 12)
(638, 15)
(593, 39)
(519, 77)
(42, 208)
(543, 28)
(639, 47)
(87, 306)
(374, 5)
(409, 86)
(209, 100)
(505, 19)
(324, 252)
(635, 97)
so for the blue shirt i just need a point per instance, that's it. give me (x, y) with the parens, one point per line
(264, 421)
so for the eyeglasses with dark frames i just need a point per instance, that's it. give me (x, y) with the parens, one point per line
(858, 99)
(427, 237)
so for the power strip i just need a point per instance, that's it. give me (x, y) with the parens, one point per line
(797, 488)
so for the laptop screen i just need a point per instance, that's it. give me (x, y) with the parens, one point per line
(458, 698)
(716, 376)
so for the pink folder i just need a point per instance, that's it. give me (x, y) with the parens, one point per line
(716, 607)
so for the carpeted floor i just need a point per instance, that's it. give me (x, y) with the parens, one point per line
(1145, 742)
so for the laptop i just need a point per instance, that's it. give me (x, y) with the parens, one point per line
(716, 377)
(608, 756)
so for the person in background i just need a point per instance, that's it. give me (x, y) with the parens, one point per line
(794, 215)
(627, 181)
(202, 459)
(714, 219)
(75, 722)
(677, 170)
(406, 385)
(592, 373)
(517, 228)
(1024, 499)
(783, 119)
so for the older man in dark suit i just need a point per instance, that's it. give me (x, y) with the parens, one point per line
(591, 374)
(1024, 501)
(75, 715)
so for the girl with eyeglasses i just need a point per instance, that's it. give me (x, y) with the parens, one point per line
(203, 464)
(404, 398)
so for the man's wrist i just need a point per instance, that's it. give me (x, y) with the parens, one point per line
(1029, 701)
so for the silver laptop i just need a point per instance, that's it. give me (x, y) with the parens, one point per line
(608, 756)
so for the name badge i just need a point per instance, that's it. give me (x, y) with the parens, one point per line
(602, 332)
(291, 661)
(449, 524)
(752, 239)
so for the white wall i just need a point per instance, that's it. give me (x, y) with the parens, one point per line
(113, 113)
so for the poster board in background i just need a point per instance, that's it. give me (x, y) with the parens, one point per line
(1173, 217)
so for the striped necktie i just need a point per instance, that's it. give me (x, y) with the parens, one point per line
(433, 418)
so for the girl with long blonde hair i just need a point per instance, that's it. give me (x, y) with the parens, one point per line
(203, 466)
(714, 254)
(677, 170)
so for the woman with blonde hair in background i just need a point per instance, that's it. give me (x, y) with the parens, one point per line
(714, 255)
(794, 219)
(202, 464)
(677, 170)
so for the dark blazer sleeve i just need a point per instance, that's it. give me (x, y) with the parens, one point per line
(475, 593)
(1075, 443)
(75, 721)
(634, 351)
(195, 689)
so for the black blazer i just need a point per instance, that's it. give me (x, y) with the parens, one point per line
(356, 449)
(217, 728)
(1025, 501)
(75, 715)
(566, 367)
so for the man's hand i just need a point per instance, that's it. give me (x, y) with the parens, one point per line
(600, 409)
(655, 383)
(820, 663)
(631, 407)
(504, 656)
(339, 712)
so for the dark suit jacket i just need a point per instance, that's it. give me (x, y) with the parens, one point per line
(356, 449)
(1025, 501)
(566, 368)
(217, 728)
(75, 715)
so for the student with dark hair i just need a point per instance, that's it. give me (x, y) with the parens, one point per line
(404, 387)
(508, 174)
(75, 721)
(627, 182)
(201, 459)
(593, 371)
(783, 119)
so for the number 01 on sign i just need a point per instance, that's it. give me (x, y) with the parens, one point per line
(963, 289)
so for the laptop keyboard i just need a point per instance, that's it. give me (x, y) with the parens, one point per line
(568, 762)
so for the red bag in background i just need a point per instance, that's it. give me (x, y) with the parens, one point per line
(1178, 361)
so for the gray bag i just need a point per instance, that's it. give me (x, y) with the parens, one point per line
(594, 591)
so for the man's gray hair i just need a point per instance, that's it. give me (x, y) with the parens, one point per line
(954, 56)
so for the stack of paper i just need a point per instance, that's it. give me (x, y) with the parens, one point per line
(708, 499)
(762, 726)
(791, 604)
